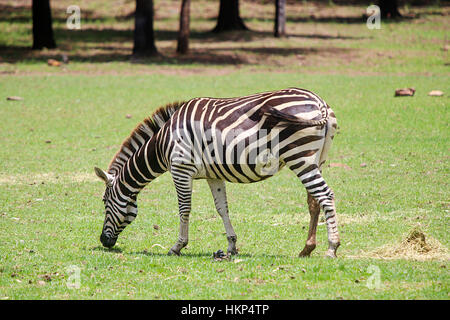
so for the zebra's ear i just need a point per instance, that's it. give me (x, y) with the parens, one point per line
(106, 177)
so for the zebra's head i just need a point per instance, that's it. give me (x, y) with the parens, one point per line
(120, 210)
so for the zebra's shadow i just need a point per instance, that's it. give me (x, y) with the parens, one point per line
(186, 254)
(115, 249)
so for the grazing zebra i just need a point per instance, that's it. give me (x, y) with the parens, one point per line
(241, 140)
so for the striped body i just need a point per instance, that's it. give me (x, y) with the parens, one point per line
(238, 140)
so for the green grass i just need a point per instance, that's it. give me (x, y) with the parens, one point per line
(74, 118)
(52, 211)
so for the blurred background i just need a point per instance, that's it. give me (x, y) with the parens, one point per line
(309, 36)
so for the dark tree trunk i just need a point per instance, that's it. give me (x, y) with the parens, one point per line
(183, 33)
(229, 18)
(144, 37)
(389, 9)
(280, 18)
(42, 25)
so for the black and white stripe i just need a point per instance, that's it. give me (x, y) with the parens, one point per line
(239, 140)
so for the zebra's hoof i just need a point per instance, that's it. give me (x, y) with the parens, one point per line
(304, 255)
(331, 255)
(173, 253)
(306, 252)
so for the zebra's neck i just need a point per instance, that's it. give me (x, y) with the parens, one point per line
(141, 135)
(140, 169)
(137, 163)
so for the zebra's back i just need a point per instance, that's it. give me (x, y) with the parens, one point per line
(246, 139)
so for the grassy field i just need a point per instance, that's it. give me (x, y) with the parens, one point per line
(389, 161)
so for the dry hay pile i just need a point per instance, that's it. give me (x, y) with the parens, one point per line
(415, 247)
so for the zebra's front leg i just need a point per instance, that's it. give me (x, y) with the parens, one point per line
(183, 237)
(220, 200)
(183, 185)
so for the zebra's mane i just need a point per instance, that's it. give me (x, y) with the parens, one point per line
(141, 134)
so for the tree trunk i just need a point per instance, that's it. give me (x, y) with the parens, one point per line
(280, 18)
(144, 37)
(389, 9)
(42, 25)
(183, 33)
(229, 18)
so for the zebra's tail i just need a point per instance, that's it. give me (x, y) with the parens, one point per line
(290, 119)
(331, 128)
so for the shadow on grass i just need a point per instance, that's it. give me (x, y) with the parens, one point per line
(15, 54)
(106, 43)
(183, 254)
(186, 254)
(108, 250)
(22, 14)
(222, 56)
(245, 36)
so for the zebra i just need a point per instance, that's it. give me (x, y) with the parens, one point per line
(238, 140)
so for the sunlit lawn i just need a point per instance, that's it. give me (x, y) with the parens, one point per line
(73, 118)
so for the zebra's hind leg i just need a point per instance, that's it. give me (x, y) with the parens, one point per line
(220, 200)
(314, 211)
(316, 186)
(183, 186)
(331, 220)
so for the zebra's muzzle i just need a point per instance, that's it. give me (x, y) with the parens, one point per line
(107, 241)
